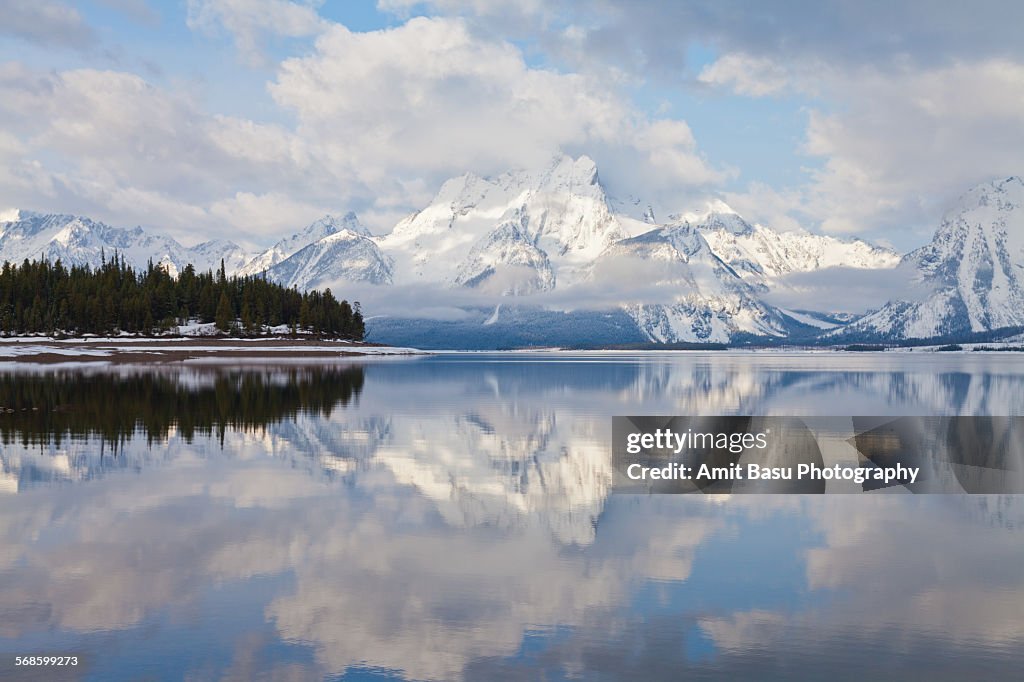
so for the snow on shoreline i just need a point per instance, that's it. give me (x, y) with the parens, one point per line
(141, 350)
(49, 351)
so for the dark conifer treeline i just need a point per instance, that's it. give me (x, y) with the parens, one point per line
(44, 297)
(51, 407)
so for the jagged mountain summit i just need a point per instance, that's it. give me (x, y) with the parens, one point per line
(527, 230)
(971, 274)
(327, 251)
(318, 229)
(343, 256)
(76, 240)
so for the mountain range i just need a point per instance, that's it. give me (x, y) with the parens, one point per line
(547, 256)
(76, 240)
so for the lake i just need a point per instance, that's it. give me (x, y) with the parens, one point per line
(451, 517)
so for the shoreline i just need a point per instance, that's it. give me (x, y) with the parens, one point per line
(142, 350)
(217, 350)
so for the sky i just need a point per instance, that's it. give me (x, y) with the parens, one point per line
(248, 119)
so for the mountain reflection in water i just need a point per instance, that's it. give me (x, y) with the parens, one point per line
(451, 518)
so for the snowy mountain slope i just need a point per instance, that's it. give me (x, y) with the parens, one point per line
(561, 210)
(318, 229)
(344, 255)
(208, 256)
(709, 301)
(761, 255)
(80, 241)
(506, 262)
(633, 208)
(972, 271)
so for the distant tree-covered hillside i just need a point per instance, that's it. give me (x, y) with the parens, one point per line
(44, 297)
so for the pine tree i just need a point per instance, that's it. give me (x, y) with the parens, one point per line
(248, 324)
(225, 318)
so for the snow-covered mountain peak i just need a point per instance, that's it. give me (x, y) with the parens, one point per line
(321, 227)
(985, 222)
(989, 206)
(731, 222)
(684, 237)
(341, 256)
(33, 222)
(463, 191)
(215, 245)
(999, 195)
(342, 235)
(330, 223)
(761, 255)
(635, 213)
(715, 215)
(972, 270)
(562, 174)
(712, 207)
(77, 240)
(1007, 189)
(573, 176)
(10, 216)
(561, 215)
(720, 207)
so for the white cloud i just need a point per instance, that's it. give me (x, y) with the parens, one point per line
(746, 75)
(653, 38)
(252, 22)
(45, 22)
(904, 144)
(103, 134)
(16, 172)
(134, 206)
(430, 99)
(908, 103)
(847, 290)
(119, 149)
(896, 146)
(761, 203)
(262, 215)
(382, 119)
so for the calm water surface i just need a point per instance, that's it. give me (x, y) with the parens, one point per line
(450, 518)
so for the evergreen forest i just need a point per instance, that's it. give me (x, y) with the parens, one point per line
(49, 298)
